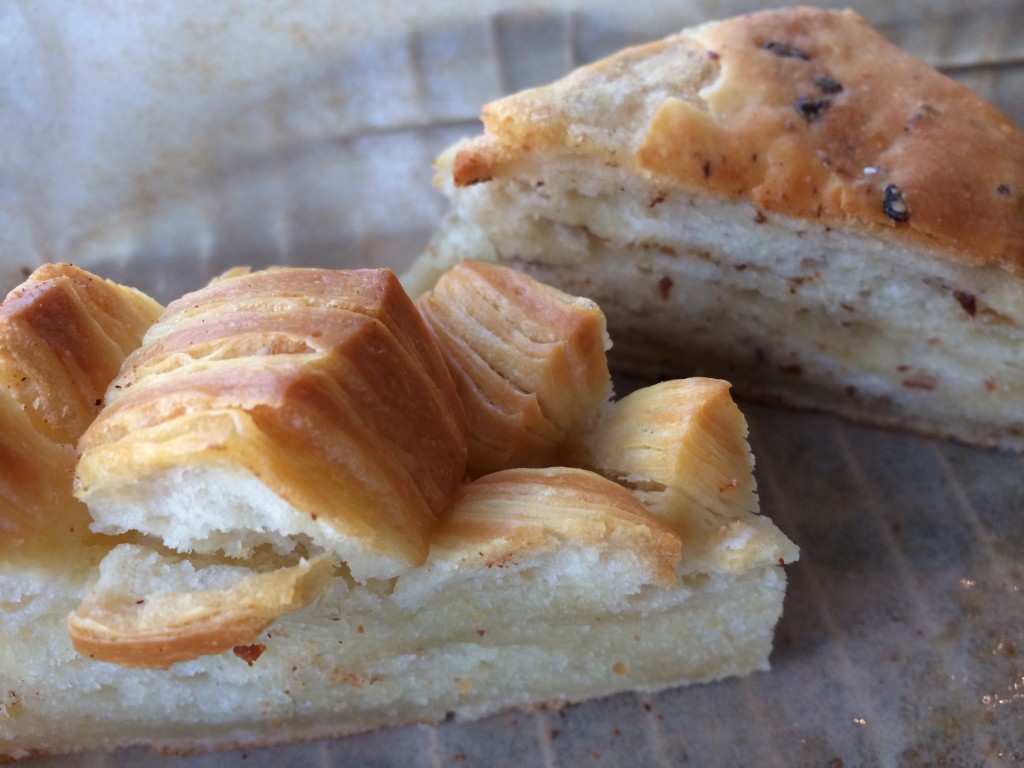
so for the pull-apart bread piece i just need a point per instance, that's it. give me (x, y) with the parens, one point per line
(303, 551)
(63, 336)
(784, 200)
(285, 408)
(528, 361)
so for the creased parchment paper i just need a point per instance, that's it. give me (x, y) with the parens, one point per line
(161, 143)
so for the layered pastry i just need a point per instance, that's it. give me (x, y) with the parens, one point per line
(292, 542)
(64, 333)
(782, 199)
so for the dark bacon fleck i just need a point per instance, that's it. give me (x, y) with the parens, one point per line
(785, 50)
(249, 653)
(812, 109)
(894, 205)
(1003, 189)
(665, 287)
(967, 301)
(920, 381)
(827, 84)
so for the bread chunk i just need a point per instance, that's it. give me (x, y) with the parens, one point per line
(306, 410)
(151, 610)
(784, 200)
(528, 362)
(226, 612)
(64, 333)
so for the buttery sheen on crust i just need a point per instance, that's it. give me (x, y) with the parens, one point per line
(162, 619)
(313, 405)
(784, 200)
(528, 362)
(803, 112)
(63, 335)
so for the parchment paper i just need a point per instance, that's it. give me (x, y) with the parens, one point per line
(161, 143)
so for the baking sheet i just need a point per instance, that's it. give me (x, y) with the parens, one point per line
(161, 145)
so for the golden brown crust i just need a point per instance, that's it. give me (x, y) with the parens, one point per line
(683, 444)
(804, 112)
(63, 335)
(323, 383)
(519, 514)
(160, 628)
(528, 362)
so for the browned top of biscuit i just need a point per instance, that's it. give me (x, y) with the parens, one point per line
(804, 112)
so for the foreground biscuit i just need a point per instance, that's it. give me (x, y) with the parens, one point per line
(215, 619)
(784, 200)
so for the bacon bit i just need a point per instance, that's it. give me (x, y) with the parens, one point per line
(620, 668)
(139, 602)
(782, 561)
(249, 653)
(847, 307)
(990, 386)
(827, 84)
(348, 678)
(313, 515)
(481, 632)
(360, 629)
(656, 201)
(706, 169)
(920, 381)
(785, 50)
(728, 486)
(967, 301)
(893, 204)
(812, 109)
(713, 55)
(665, 287)
(1003, 189)
(98, 402)
(760, 218)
